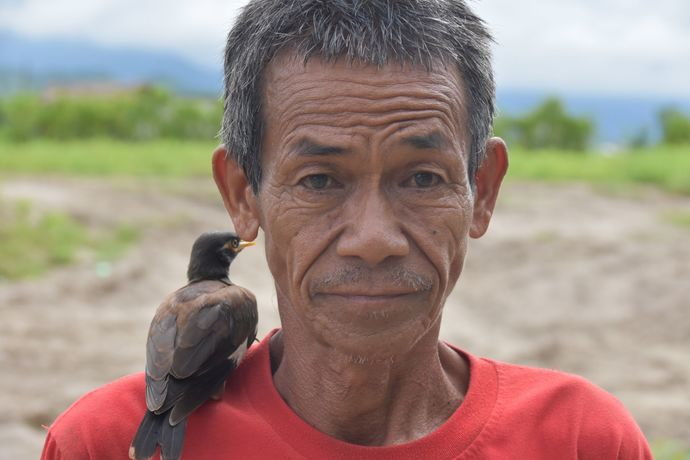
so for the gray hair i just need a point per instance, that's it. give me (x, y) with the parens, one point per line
(421, 32)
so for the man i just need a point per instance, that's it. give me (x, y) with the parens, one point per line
(356, 136)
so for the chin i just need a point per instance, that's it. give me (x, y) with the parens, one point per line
(376, 335)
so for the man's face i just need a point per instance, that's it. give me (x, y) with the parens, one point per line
(365, 201)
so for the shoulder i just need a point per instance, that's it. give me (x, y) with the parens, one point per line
(555, 389)
(99, 424)
(102, 423)
(564, 405)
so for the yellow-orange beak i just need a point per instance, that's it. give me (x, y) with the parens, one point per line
(245, 244)
(242, 244)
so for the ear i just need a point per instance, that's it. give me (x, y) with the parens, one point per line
(238, 196)
(487, 182)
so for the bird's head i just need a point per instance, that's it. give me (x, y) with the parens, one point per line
(212, 254)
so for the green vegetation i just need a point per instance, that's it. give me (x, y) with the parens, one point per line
(675, 127)
(678, 218)
(109, 246)
(547, 126)
(669, 450)
(142, 113)
(103, 157)
(31, 243)
(665, 167)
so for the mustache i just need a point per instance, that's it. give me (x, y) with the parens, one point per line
(395, 275)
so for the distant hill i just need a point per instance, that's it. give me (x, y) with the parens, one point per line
(27, 62)
(37, 63)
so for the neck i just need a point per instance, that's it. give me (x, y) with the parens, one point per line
(197, 279)
(207, 268)
(369, 403)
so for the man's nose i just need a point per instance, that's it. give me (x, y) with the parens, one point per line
(373, 232)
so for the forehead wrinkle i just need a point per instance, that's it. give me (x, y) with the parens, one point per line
(325, 111)
(363, 125)
(287, 91)
(392, 94)
(365, 103)
(377, 97)
(290, 61)
(289, 68)
(309, 81)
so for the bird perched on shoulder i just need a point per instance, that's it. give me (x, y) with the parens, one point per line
(197, 338)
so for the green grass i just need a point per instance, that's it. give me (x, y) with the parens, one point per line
(32, 243)
(103, 157)
(669, 450)
(678, 218)
(665, 167)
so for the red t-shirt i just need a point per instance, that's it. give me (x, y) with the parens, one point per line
(509, 412)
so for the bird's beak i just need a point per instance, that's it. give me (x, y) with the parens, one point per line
(245, 244)
(242, 244)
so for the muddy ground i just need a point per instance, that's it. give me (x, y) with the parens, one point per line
(568, 277)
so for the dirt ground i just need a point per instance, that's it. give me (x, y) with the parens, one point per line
(587, 281)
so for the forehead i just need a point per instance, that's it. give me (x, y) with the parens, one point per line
(346, 94)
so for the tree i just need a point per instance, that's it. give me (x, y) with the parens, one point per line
(675, 126)
(547, 126)
(142, 113)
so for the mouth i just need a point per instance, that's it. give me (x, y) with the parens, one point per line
(391, 288)
(365, 298)
(367, 292)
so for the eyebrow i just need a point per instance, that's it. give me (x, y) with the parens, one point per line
(433, 140)
(310, 148)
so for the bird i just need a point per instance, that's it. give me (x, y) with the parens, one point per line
(198, 336)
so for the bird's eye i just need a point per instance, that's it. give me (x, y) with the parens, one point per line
(235, 244)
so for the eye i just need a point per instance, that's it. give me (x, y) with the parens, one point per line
(318, 181)
(235, 243)
(423, 179)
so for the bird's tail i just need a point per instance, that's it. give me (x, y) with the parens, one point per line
(155, 430)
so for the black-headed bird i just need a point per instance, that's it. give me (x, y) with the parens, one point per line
(197, 338)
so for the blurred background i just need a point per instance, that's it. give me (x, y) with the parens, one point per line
(108, 117)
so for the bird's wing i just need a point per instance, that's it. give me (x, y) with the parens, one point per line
(159, 355)
(209, 346)
(205, 339)
(189, 343)
(186, 314)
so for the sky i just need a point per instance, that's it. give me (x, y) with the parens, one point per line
(627, 47)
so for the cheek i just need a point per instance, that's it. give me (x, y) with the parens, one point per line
(441, 232)
(295, 236)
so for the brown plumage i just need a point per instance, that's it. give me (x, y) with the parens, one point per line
(198, 336)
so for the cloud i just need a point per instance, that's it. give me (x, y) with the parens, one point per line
(609, 46)
(194, 29)
(619, 46)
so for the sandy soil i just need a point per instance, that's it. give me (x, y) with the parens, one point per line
(568, 277)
